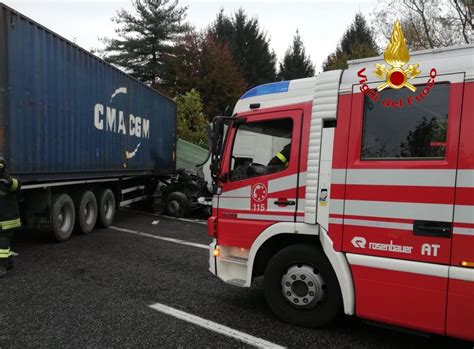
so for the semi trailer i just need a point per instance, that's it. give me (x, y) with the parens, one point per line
(83, 137)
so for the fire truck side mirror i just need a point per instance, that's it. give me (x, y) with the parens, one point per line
(217, 134)
(224, 177)
(209, 137)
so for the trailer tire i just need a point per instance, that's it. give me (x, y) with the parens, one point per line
(86, 212)
(301, 287)
(63, 217)
(177, 204)
(107, 208)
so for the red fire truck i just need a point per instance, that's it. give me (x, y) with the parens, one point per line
(353, 192)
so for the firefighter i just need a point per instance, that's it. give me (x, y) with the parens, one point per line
(280, 160)
(9, 216)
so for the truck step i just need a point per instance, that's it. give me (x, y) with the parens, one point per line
(236, 282)
(234, 260)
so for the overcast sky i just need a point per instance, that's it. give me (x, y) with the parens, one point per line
(321, 23)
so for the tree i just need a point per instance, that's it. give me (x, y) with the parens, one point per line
(145, 38)
(296, 64)
(357, 42)
(183, 68)
(191, 120)
(426, 23)
(198, 61)
(249, 45)
(420, 140)
(221, 83)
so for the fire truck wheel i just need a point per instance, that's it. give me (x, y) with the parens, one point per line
(107, 208)
(301, 287)
(62, 217)
(86, 215)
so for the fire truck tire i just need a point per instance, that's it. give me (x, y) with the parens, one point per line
(63, 217)
(301, 287)
(107, 208)
(86, 212)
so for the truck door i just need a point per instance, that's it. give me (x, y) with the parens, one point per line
(399, 201)
(259, 176)
(460, 320)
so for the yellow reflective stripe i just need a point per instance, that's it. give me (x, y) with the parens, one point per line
(282, 158)
(5, 253)
(15, 223)
(14, 185)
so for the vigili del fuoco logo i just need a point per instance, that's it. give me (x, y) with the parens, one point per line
(396, 76)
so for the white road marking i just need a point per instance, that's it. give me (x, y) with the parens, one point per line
(197, 221)
(155, 222)
(213, 326)
(177, 241)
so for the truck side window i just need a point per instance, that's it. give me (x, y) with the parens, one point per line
(399, 126)
(261, 148)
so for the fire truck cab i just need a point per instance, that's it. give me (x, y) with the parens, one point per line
(352, 200)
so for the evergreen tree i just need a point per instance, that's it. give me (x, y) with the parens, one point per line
(296, 64)
(145, 38)
(191, 121)
(357, 42)
(249, 45)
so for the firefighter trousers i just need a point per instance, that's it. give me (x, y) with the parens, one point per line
(5, 252)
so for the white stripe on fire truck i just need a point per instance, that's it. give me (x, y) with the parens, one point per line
(465, 179)
(398, 265)
(274, 185)
(464, 214)
(425, 178)
(336, 220)
(404, 210)
(265, 217)
(234, 203)
(379, 224)
(286, 183)
(463, 231)
(239, 192)
(392, 225)
(283, 183)
(460, 273)
(413, 267)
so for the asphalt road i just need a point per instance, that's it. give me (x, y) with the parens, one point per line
(96, 291)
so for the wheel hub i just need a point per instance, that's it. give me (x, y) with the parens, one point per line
(303, 286)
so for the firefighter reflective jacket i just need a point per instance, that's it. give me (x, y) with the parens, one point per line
(9, 212)
(282, 158)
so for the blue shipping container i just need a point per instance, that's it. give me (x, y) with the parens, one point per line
(66, 114)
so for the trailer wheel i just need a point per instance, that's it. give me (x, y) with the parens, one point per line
(107, 208)
(62, 217)
(301, 287)
(177, 204)
(86, 214)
